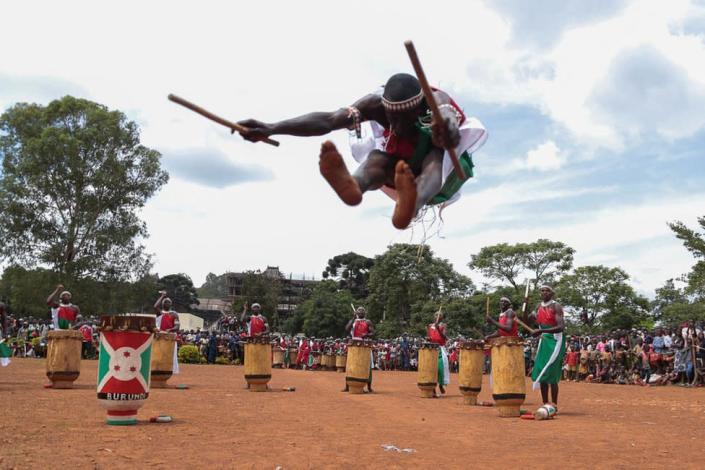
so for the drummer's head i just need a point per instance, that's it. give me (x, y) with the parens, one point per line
(439, 316)
(256, 307)
(65, 297)
(546, 292)
(166, 303)
(360, 312)
(504, 303)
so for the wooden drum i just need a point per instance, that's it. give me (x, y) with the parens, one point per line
(330, 361)
(163, 346)
(340, 360)
(428, 369)
(357, 366)
(258, 363)
(293, 357)
(124, 365)
(277, 356)
(509, 386)
(63, 357)
(472, 359)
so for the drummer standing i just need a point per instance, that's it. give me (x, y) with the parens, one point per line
(167, 318)
(436, 333)
(256, 322)
(167, 321)
(361, 328)
(506, 326)
(549, 358)
(63, 312)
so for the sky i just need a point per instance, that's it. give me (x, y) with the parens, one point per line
(594, 112)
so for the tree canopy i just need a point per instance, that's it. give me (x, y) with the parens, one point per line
(74, 177)
(543, 261)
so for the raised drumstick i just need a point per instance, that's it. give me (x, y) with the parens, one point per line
(431, 101)
(231, 125)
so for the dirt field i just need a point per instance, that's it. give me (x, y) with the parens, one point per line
(219, 424)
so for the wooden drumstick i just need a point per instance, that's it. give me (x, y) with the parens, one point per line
(431, 101)
(526, 327)
(231, 125)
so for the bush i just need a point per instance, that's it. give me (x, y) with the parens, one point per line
(222, 360)
(189, 354)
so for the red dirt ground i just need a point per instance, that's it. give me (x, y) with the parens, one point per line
(219, 424)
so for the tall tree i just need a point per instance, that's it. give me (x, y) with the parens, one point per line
(179, 287)
(74, 177)
(351, 271)
(604, 296)
(406, 276)
(542, 261)
(695, 243)
(327, 312)
(263, 289)
(214, 287)
(501, 262)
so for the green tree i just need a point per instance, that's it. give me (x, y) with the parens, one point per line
(543, 261)
(263, 289)
(327, 311)
(179, 287)
(215, 287)
(403, 279)
(351, 271)
(695, 243)
(604, 296)
(74, 177)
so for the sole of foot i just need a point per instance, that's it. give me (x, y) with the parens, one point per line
(405, 184)
(336, 173)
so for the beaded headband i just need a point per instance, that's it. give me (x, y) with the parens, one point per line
(405, 105)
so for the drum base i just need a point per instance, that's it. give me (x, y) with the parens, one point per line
(427, 392)
(356, 389)
(258, 387)
(508, 411)
(158, 378)
(470, 399)
(122, 417)
(62, 380)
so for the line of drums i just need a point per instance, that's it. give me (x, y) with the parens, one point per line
(508, 381)
(134, 356)
(321, 361)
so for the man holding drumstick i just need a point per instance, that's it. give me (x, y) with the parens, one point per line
(549, 357)
(436, 333)
(360, 328)
(506, 326)
(405, 154)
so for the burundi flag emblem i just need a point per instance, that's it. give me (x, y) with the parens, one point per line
(124, 373)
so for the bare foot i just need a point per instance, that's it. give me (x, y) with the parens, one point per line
(405, 184)
(334, 171)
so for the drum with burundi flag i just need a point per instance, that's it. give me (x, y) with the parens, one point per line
(124, 365)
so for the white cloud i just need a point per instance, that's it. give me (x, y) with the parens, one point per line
(545, 157)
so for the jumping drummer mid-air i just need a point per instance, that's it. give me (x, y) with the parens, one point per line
(404, 155)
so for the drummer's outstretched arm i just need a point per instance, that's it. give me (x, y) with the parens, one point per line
(158, 303)
(51, 299)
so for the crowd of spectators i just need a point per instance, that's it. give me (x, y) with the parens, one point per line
(637, 356)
